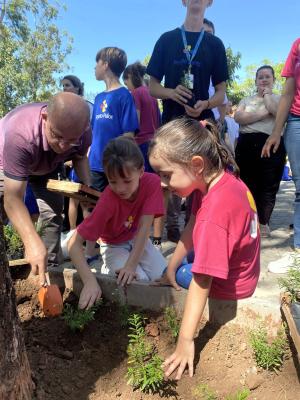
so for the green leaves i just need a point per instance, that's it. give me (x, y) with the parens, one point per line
(171, 318)
(32, 52)
(291, 283)
(76, 318)
(268, 354)
(145, 371)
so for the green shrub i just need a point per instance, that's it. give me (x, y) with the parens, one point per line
(205, 393)
(291, 283)
(240, 395)
(77, 318)
(171, 318)
(13, 243)
(145, 366)
(268, 355)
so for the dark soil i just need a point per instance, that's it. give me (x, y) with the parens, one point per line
(92, 365)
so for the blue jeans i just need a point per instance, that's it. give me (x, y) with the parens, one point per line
(292, 145)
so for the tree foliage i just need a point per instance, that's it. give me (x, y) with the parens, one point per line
(234, 64)
(33, 50)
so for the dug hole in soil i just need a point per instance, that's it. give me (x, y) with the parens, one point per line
(92, 364)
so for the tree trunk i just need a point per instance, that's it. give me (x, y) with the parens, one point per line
(15, 373)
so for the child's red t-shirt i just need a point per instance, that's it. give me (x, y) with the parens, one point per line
(226, 239)
(292, 69)
(115, 220)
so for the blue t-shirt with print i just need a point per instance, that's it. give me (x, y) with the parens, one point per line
(114, 113)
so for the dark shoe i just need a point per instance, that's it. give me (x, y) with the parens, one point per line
(173, 235)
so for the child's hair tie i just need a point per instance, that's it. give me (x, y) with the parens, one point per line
(203, 123)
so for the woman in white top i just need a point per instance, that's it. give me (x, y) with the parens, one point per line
(256, 116)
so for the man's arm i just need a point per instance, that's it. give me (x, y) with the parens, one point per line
(180, 94)
(82, 169)
(35, 250)
(216, 100)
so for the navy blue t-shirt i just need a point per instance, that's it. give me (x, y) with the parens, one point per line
(169, 61)
(114, 113)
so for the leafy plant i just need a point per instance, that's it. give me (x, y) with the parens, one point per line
(145, 371)
(76, 318)
(291, 283)
(268, 355)
(205, 393)
(240, 395)
(13, 243)
(171, 318)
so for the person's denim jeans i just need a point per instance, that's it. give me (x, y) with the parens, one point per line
(292, 145)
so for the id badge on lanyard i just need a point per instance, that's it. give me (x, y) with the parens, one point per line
(189, 79)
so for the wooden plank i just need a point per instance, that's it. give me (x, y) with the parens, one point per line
(75, 190)
(18, 262)
(292, 326)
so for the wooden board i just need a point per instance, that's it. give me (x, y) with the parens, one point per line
(75, 190)
(18, 262)
(292, 326)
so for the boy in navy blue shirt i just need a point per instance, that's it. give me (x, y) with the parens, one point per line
(114, 112)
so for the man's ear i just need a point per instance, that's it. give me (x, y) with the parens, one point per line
(197, 164)
(142, 171)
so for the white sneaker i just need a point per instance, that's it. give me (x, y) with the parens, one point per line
(284, 263)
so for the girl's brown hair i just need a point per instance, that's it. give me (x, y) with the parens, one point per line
(184, 138)
(136, 73)
(120, 155)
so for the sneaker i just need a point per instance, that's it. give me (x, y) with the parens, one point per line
(265, 231)
(284, 263)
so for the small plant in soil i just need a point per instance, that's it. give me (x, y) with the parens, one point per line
(291, 283)
(242, 394)
(205, 393)
(173, 324)
(77, 318)
(145, 366)
(268, 354)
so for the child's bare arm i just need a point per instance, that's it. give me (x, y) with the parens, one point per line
(127, 273)
(193, 310)
(91, 291)
(184, 245)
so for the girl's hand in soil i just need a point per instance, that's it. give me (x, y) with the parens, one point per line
(126, 276)
(90, 294)
(183, 355)
(168, 279)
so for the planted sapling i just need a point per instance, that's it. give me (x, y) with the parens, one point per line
(145, 366)
(77, 318)
(268, 354)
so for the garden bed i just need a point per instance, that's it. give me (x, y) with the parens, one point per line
(92, 364)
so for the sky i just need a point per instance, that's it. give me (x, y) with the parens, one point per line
(258, 29)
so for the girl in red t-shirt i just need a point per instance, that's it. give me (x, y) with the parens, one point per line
(223, 230)
(121, 221)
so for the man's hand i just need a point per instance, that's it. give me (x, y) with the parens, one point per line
(36, 255)
(126, 276)
(90, 294)
(180, 94)
(183, 355)
(273, 141)
(195, 111)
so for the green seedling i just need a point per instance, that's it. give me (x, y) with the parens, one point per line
(268, 354)
(13, 243)
(171, 318)
(144, 365)
(205, 393)
(291, 283)
(76, 318)
(242, 394)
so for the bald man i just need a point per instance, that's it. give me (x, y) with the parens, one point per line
(35, 139)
